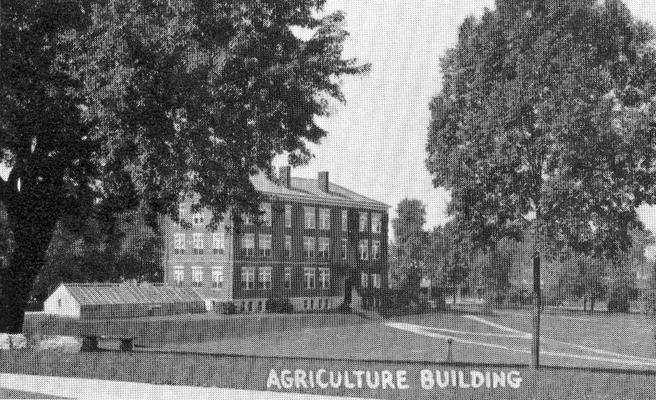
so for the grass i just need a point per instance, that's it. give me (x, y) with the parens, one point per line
(252, 372)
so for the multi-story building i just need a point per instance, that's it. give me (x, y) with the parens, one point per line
(314, 241)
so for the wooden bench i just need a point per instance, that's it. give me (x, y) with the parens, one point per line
(90, 343)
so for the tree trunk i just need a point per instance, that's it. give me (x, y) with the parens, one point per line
(592, 303)
(455, 292)
(32, 232)
(585, 303)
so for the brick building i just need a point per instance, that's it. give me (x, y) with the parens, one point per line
(314, 242)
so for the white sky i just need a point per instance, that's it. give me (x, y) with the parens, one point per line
(376, 141)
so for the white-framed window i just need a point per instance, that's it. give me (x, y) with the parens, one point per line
(344, 220)
(288, 246)
(218, 242)
(375, 281)
(264, 278)
(197, 276)
(266, 216)
(324, 278)
(217, 277)
(324, 248)
(179, 243)
(363, 221)
(248, 245)
(288, 278)
(248, 278)
(288, 215)
(178, 275)
(309, 216)
(309, 246)
(264, 245)
(309, 277)
(198, 218)
(376, 222)
(246, 219)
(324, 219)
(364, 280)
(375, 250)
(198, 243)
(363, 249)
(182, 211)
(344, 248)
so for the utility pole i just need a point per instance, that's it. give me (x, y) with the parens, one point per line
(537, 300)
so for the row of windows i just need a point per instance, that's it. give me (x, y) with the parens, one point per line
(198, 243)
(311, 247)
(308, 304)
(197, 276)
(309, 218)
(375, 280)
(264, 278)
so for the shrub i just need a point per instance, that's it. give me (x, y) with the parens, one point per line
(228, 308)
(278, 305)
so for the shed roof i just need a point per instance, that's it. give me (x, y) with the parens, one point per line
(101, 294)
(307, 190)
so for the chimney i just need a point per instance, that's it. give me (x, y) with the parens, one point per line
(285, 177)
(322, 179)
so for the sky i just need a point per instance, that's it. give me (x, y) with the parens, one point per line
(376, 141)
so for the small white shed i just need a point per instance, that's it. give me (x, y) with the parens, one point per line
(92, 301)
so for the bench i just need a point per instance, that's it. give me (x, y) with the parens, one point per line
(90, 343)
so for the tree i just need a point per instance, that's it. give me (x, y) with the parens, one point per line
(108, 105)
(411, 244)
(546, 112)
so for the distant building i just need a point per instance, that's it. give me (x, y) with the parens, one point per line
(94, 301)
(315, 241)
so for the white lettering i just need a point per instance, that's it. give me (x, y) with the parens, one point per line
(299, 378)
(320, 383)
(287, 379)
(370, 383)
(477, 379)
(498, 379)
(347, 384)
(442, 383)
(333, 383)
(388, 379)
(358, 374)
(273, 380)
(514, 379)
(461, 380)
(427, 381)
(402, 380)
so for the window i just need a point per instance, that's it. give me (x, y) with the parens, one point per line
(264, 245)
(363, 249)
(344, 248)
(309, 216)
(59, 303)
(364, 280)
(364, 221)
(248, 245)
(198, 218)
(178, 275)
(344, 221)
(308, 247)
(288, 277)
(182, 211)
(246, 219)
(198, 243)
(324, 278)
(375, 281)
(248, 278)
(218, 242)
(217, 278)
(324, 248)
(288, 246)
(308, 277)
(197, 276)
(288, 215)
(376, 222)
(266, 217)
(264, 278)
(324, 219)
(179, 243)
(375, 250)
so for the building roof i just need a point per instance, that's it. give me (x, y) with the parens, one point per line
(102, 294)
(308, 191)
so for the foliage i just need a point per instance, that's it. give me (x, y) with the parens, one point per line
(110, 105)
(546, 111)
(279, 305)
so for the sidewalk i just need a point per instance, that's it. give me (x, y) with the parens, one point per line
(77, 388)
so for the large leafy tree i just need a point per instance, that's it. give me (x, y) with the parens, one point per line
(546, 112)
(412, 245)
(112, 104)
